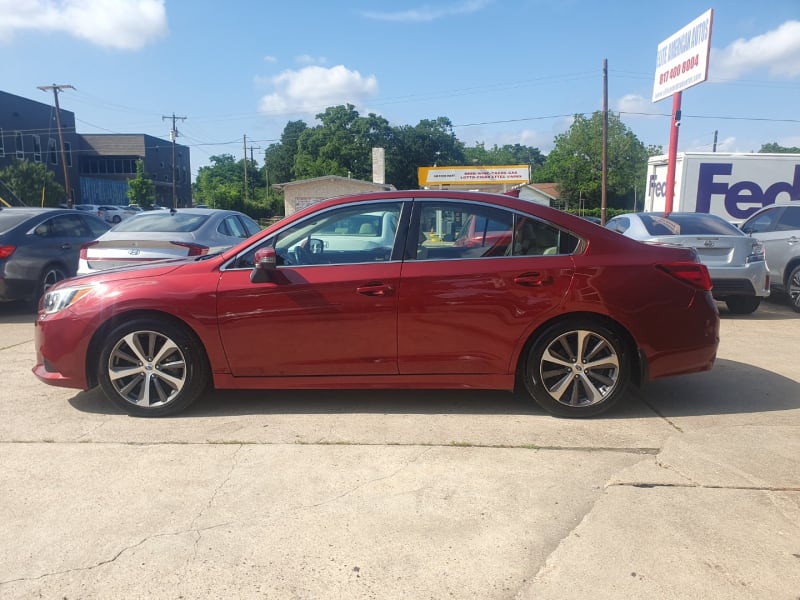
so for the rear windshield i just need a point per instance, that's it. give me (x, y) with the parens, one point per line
(691, 224)
(162, 221)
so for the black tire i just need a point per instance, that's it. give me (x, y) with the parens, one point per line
(116, 219)
(742, 305)
(577, 368)
(152, 368)
(50, 275)
(793, 288)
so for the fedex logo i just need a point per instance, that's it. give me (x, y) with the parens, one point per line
(743, 198)
(656, 187)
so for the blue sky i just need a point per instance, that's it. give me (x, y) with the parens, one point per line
(503, 71)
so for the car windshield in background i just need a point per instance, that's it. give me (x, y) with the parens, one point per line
(687, 224)
(178, 222)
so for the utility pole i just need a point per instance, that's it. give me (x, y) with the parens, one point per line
(173, 134)
(244, 162)
(56, 89)
(715, 140)
(252, 160)
(604, 176)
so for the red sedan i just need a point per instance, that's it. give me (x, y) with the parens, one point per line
(534, 298)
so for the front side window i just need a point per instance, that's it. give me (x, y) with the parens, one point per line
(363, 233)
(790, 219)
(760, 223)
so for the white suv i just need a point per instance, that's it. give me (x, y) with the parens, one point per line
(778, 227)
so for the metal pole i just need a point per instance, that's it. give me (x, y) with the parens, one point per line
(604, 182)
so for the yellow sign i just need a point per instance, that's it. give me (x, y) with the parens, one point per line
(508, 174)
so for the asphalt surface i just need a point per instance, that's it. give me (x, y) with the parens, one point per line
(691, 489)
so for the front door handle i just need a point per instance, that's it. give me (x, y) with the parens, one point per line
(533, 279)
(375, 289)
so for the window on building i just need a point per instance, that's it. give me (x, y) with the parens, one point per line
(68, 152)
(2, 144)
(19, 144)
(52, 151)
(37, 148)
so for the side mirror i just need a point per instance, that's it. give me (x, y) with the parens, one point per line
(264, 267)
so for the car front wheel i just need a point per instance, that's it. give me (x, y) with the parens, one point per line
(50, 276)
(152, 368)
(577, 369)
(794, 288)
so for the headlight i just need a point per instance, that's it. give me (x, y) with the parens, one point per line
(62, 298)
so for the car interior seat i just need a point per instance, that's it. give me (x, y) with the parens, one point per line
(367, 229)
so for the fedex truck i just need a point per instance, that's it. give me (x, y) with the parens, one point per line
(731, 185)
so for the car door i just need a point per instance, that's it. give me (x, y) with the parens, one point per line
(322, 313)
(777, 229)
(59, 238)
(473, 285)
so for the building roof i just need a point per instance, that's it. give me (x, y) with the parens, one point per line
(548, 189)
(383, 186)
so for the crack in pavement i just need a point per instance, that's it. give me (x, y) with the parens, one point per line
(116, 556)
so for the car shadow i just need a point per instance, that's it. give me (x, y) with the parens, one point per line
(17, 312)
(774, 308)
(731, 388)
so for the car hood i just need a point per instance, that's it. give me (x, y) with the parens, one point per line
(154, 269)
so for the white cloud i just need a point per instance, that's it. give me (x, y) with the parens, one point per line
(271, 59)
(777, 51)
(305, 59)
(122, 24)
(427, 13)
(634, 105)
(312, 89)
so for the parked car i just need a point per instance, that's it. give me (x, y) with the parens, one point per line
(93, 209)
(736, 262)
(280, 311)
(112, 214)
(163, 234)
(40, 246)
(778, 228)
(132, 209)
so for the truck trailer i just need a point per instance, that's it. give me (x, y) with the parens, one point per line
(731, 185)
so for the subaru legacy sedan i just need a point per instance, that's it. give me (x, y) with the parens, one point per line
(568, 312)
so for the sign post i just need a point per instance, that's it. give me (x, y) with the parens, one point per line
(681, 62)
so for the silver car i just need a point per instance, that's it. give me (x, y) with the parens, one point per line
(778, 228)
(164, 234)
(735, 261)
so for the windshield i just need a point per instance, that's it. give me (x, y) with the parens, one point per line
(163, 221)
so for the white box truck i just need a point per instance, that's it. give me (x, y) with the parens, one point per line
(731, 185)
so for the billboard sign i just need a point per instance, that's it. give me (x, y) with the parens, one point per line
(682, 59)
(513, 175)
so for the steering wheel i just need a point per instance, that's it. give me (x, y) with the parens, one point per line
(300, 255)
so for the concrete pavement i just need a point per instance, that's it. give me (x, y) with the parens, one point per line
(689, 490)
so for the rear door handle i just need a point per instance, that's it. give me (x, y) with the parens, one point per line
(533, 279)
(375, 289)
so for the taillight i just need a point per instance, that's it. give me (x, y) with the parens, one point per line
(194, 249)
(6, 251)
(695, 274)
(85, 249)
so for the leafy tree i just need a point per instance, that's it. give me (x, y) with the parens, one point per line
(777, 149)
(575, 162)
(509, 154)
(341, 145)
(429, 143)
(33, 183)
(141, 189)
(221, 185)
(279, 158)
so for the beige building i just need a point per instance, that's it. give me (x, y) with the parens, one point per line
(299, 194)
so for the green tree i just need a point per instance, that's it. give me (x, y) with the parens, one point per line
(33, 183)
(341, 145)
(575, 163)
(777, 149)
(429, 143)
(221, 185)
(141, 189)
(279, 158)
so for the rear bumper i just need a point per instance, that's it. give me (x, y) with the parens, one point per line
(749, 280)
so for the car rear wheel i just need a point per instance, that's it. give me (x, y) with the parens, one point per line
(152, 368)
(742, 305)
(577, 369)
(794, 288)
